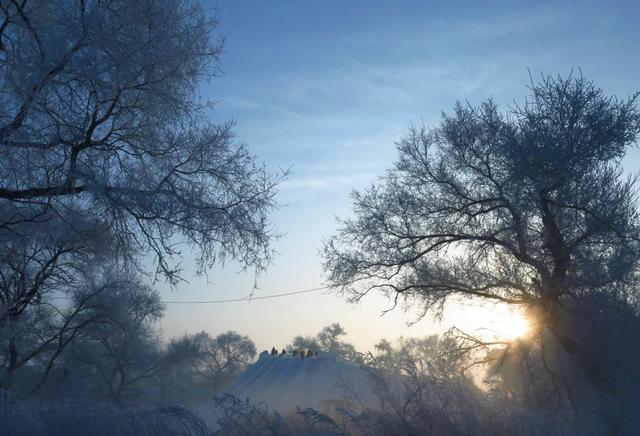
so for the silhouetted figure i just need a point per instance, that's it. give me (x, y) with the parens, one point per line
(302, 354)
(315, 353)
(309, 353)
(295, 353)
(284, 352)
(274, 352)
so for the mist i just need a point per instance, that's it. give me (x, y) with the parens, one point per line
(333, 219)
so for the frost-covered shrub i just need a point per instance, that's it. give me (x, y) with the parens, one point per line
(97, 419)
(238, 418)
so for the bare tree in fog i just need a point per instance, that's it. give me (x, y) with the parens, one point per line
(223, 357)
(212, 363)
(122, 346)
(40, 265)
(329, 339)
(526, 207)
(421, 388)
(99, 115)
(303, 343)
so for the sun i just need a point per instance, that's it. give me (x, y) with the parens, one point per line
(513, 325)
(493, 322)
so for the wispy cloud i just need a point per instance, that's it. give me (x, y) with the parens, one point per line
(328, 182)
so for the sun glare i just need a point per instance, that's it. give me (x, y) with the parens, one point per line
(513, 325)
(493, 322)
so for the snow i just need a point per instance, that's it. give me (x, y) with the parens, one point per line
(286, 382)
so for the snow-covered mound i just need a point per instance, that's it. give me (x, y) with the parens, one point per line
(286, 382)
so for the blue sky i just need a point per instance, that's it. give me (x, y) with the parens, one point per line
(326, 88)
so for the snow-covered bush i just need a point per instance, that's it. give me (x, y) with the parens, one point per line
(238, 418)
(97, 419)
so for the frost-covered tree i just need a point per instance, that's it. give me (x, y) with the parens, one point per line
(223, 357)
(210, 364)
(106, 152)
(329, 339)
(99, 115)
(41, 265)
(303, 343)
(122, 345)
(526, 207)
(420, 388)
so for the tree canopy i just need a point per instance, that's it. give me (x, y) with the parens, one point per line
(528, 206)
(99, 115)
(109, 157)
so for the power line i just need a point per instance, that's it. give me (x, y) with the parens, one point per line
(249, 298)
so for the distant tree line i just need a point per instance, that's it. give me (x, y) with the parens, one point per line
(329, 339)
(114, 352)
